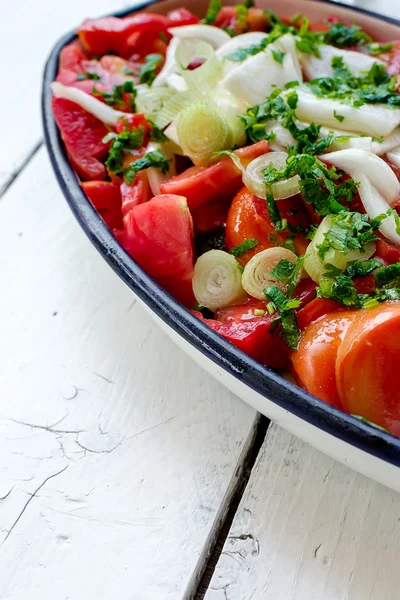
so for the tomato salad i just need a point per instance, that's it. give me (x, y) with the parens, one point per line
(249, 163)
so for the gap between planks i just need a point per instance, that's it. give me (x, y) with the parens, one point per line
(222, 529)
(13, 176)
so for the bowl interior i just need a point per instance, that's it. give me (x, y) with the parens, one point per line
(262, 380)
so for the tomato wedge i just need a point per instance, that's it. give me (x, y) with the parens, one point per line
(366, 367)
(314, 310)
(136, 193)
(315, 360)
(106, 198)
(221, 181)
(158, 235)
(248, 218)
(82, 134)
(256, 19)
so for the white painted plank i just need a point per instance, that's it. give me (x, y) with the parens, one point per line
(308, 528)
(117, 453)
(28, 30)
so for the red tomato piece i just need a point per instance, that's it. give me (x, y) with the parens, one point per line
(394, 60)
(248, 218)
(182, 16)
(305, 291)
(314, 310)
(241, 312)
(71, 57)
(136, 193)
(250, 336)
(142, 43)
(387, 251)
(100, 36)
(315, 360)
(159, 235)
(210, 216)
(82, 134)
(365, 285)
(221, 181)
(323, 25)
(366, 367)
(106, 198)
(255, 20)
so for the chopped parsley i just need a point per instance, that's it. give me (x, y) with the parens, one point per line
(155, 133)
(148, 71)
(388, 274)
(374, 86)
(116, 96)
(338, 117)
(348, 231)
(121, 143)
(287, 317)
(212, 12)
(278, 56)
(152, 159)
(87, 75)
(244, 247)
(341, 36)
(318, 185)
(364, 420)
(282, 271)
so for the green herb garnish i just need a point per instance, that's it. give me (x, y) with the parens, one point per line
(121, 143)
(244, 247)
(147, 72)
(152, 159)
(287, 316)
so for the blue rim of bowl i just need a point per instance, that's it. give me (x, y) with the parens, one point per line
(262, 380)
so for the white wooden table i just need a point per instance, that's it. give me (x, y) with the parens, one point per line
(127, 473)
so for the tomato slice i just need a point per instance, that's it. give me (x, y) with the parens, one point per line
(248, 218)
(221, 181)
(366, 368)
(182, 16)
(136, 193)
(387, 251)
(100, 36)
(72, 56)
(158, 235)
(256, 19)
(323, 25)
(314, 310)
(315, 360)
(82, 134)
(394, 60)
(106, 198)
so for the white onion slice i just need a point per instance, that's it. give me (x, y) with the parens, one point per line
(156, 176)
(315, 67)
(212, 35)
(371, 119)
(394, 156)
(253, 177)
(206, 75)
(316, 267)
(151, 100)
(98, 109)
(257, 273)
(376, 205)
(170, 66)
(217, 280)
(354, 161)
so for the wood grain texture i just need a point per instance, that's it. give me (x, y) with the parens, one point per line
(118, 455)
(28, 30)
(308, 528)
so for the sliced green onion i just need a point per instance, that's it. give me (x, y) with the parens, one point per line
(152, 100)
(206, 75)
(257, 273)
(174, 106)
(217, 280)
(208, 33)
(316, 267)
(203, 131)
(253, 177)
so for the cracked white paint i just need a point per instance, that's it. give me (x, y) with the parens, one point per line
(117, 453)
(308, 528)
